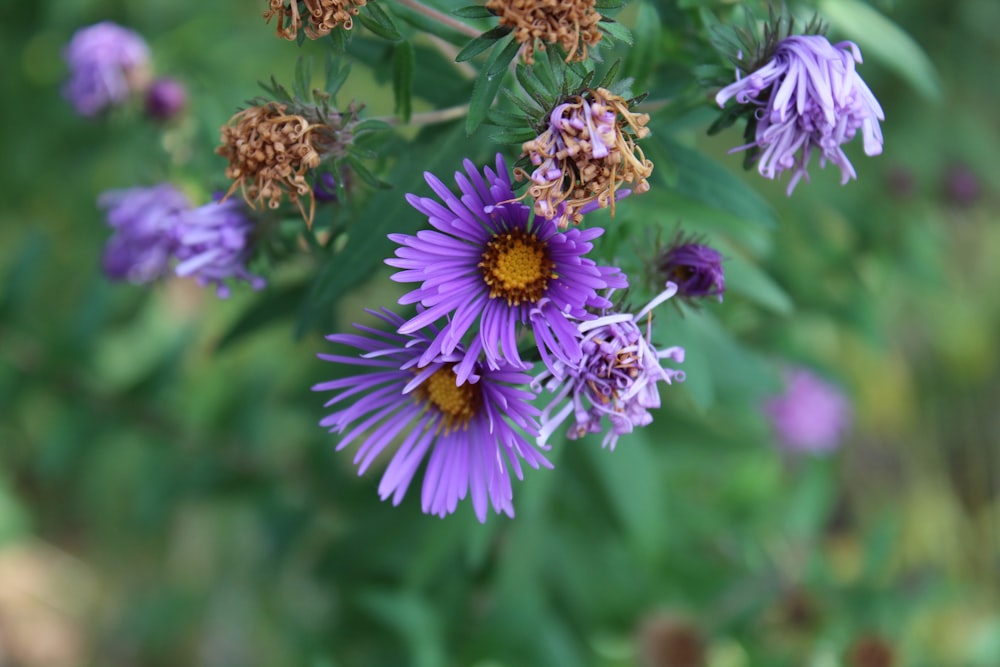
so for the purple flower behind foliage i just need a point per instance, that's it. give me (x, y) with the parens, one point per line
(165, 99)
(695, 268)
(325, 188)
(491, 268)
(811, 415)
(144, 221)
(616, 377)
(107, 63)
(808, 98)
(471, 435)
(214, 243)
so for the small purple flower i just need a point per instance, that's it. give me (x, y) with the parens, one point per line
(811, 415)
(695, 268)
(472, 435)
(144, 221)
(214, 242)
(165, 99)
(488, 262)
(107, 63)
(808, 97)
(615, 378)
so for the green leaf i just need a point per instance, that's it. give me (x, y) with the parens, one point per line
(532, 86)
(337, 71)
(616, 31)
(402, 79)
(513, 135)
(481, 43)
(367, 177)
(748, 279)
(488, 83)
(473, 12)
(302, 85)
(886, 41)
(273, 305)
(379, 22)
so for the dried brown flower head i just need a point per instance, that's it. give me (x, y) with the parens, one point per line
(584, 155)
(667, 640)
(269, 151)
(871, 651)
(322, 16)
(570, 23)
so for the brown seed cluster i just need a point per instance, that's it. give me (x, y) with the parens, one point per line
(570, 23)
(871, 651)
(666, 640)
(586, 153)
(269, 151)
(321, 16)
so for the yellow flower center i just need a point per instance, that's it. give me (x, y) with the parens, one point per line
(517, 267)
(458, 403)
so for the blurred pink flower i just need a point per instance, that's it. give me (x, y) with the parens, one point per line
(811, 415)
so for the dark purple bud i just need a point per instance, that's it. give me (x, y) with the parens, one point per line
(901, 183)
(165, 99)
(325, 188)
(961, 185)
(695, 268)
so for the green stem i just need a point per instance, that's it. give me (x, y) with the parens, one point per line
(440, 17)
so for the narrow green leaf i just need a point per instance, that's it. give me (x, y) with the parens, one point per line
(273, 305)
(336, 75)
(379, 22)
(512, 135)
(749, 280)
(302, 85)
(366, 175)
(481, 43)
(532, 86)
(472, 12)
(886, 41)
(402, 79)
(488, 83)
(616, 31)
(370, 125)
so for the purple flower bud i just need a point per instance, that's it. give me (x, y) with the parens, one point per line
(107, 63)
(165, 99)
(214, 243)
(144, 222)
(961, 185)
(694, 267)
(325, 188)
(811, 415)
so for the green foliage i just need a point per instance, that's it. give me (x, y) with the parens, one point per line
(163, 480)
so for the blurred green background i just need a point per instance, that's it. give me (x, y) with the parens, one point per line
(167, 502)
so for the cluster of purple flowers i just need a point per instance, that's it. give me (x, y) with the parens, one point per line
(810, 415)
(450, 382)
(808, 98)
(108, 64)
(157, 232)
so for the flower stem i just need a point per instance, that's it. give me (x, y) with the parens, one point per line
(440, 17)
(431, 117)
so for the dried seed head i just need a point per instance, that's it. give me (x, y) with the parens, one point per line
(321, 16)
(570, 23)
(270, 151)
(584, 155)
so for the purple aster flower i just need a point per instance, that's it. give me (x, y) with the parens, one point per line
(144, 222)
(695, 268)
(811, 415)
(214, 242)
(489, 262)
(616, 377)
(472, 435)
(808, 97)
(165, 99)
(107, 63)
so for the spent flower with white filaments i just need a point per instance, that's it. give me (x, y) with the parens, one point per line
(491, 268)
(585, 155)
(473, 436)
(321, 16)
(107, 63)
(616, 377)
(573, 24)
(807, 98)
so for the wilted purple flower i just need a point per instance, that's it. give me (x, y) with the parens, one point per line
(165, 99)
(489, 262)
(615, 377)
(695, 268)
(107, 63)
(811, 415)
(144, 222)
(472, 435)
(808, 97)
(214, 244)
